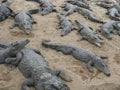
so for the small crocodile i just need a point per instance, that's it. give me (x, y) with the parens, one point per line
(5, 11)
(89, 15)
(81, 54)
(46, 6)
(105, 5)
(8, 53)
(107, 28)
(24, 20)
(70, 8)
(88, 34)
(113, 13)
(65, 24)
(79, 4)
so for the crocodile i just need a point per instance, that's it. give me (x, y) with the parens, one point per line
(89, 15)
(88, 34)
(70, 8)
(65, 24)
(5, 10)
(46, 6)
(35, 68)
(81, 54)
(24, 20)
(105, 5)
(3, 45)
(9, 52)
(79, 4)
(107, 28)
(113, 13)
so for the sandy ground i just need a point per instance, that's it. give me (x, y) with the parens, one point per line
(46, 29)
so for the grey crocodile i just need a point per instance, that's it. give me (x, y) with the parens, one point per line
(24, 20)
(70, 8)
(113, 13)
(65, 24)
(81, 54)
(46, 6)
(10, 52)
(5, 11)
(109, 27)
(88, 34)
(37, 71)
(105, 5)
(89, 15)
(79, 4)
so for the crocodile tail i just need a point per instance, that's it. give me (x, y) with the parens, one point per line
(34, 11)
(96, 20)
(46, 44)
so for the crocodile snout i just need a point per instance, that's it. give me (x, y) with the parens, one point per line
(108, 74)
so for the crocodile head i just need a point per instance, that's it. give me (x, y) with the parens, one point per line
(106, 33)
(55, 84)
(60, 16)
(26, 26)
(101, 65)
(95, 40)
(65, 31)
(17, 46)
(2, 17)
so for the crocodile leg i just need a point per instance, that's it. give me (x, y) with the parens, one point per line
(13, 26)
(14, 60)
(103, 57)
(62, 75)
(26, 84)
(90, 66)
(69, 12)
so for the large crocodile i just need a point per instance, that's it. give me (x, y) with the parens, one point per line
(69, 8)
(65, 24)
(9, 52)
(46, 6)
(109, 27)
(113, 13)
(24, 20)
(79, 4)
(37, 71)
(88, 34)
(81, 54)
(89, 15)
(5, 11)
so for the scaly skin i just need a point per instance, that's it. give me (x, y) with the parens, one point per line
(88, 34)
(24, 20)
(34, 67)
(5, 11)
(113, 14)
(105, 5)
(108, 28)
(69, 8)
(46, 6)
(12, 50)
(65, 24)
(89, 15)
(38, 74)
(79, 4)
(81, 54)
